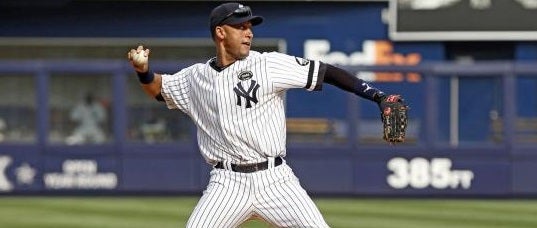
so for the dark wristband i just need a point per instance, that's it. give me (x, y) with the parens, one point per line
(146, 77)
(378, 97)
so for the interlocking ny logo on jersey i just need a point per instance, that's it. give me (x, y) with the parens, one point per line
(249, 95)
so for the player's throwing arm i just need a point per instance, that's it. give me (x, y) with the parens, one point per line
(151, 82)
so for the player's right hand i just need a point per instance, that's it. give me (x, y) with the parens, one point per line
(139, 58)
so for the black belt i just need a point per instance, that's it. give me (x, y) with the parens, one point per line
(249, 168)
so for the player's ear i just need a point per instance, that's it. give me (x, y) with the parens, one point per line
(219, 32)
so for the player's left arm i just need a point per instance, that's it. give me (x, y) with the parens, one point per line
(346, 81)
(392, 107)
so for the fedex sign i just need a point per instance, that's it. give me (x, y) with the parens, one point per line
(374, 52)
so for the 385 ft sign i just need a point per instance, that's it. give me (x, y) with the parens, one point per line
(422, 173)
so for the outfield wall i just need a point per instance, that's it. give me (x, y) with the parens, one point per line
(348, 164)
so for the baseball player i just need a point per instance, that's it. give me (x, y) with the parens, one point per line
(236, 100)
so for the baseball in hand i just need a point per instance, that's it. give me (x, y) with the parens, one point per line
(140, 58)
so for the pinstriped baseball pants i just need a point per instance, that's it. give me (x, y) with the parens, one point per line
(274, 194)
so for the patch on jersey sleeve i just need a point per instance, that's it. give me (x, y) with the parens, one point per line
(245, 75)
(302, 61)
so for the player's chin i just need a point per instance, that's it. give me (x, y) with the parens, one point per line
(244, 53)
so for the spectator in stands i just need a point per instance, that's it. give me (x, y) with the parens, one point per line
(3, 128)
(153, 129)
(89, 114)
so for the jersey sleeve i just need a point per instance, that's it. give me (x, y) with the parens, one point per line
(289, 72)
(176, 89)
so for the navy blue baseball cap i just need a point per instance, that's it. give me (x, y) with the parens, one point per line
(232, 13)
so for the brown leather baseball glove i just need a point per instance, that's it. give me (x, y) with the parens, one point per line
(394, 118)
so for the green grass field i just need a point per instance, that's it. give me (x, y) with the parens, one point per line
(162, 212)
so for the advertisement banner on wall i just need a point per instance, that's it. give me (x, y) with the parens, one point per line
(96, 173)
(433, 176)
(374, 52)
(19, 173)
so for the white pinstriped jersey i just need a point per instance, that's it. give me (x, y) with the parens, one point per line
(239, 111)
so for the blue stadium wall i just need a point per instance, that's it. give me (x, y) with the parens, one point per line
(123, 168)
